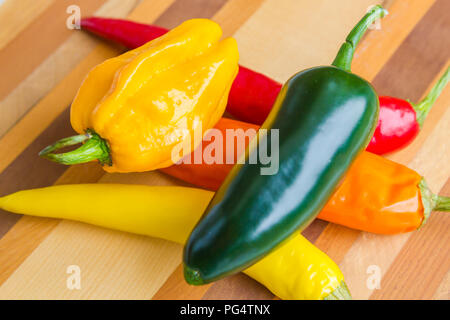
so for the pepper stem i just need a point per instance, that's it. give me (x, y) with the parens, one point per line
(93, 148)
(442, 203)
(431, 202)
(192, 276)
(423, 107)
(344, 57)
(340, 293)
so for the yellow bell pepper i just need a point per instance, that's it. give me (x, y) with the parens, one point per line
(296, 270)
(132, 110)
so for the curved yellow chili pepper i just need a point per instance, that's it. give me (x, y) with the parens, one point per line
(135, 108)
(296, 270)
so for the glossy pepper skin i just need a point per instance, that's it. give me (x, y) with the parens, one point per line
(211, 176)
(297, 270)
(376, 195)
(400, 120)
(251, 96)
(381, 196)
(138, 106)
(396, 200)
(325, 117)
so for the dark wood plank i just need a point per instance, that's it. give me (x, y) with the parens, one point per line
(410, 275)
(420, 57)
(29, 171)
(182, 10)
(238, 287)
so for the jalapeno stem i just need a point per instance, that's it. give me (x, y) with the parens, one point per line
(423, 107)
(93, 148)
(344, 57)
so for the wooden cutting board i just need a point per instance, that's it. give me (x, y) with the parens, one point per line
(43, 63)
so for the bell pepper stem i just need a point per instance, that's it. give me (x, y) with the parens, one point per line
(93, 148)
(344, 57)
(423, 107)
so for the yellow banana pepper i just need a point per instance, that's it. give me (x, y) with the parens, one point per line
(132, 110)
(296, 270)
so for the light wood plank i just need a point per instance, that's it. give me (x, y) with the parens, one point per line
(233, 15)
(286, 36)
(15, 16)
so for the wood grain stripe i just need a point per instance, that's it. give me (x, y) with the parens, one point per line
(26, 235)
(443, 291)
(336, 240)
(420, 57)
(379, 46)
(29, 171)
(238, 287)
(18, 61)
(410, 275)
(233, 15)
(183, 10)
(15, 16)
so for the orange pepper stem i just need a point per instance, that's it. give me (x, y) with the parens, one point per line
(431, 202)
(93, 148)
(442, 203)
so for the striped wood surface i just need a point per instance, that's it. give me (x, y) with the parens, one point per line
(44, 63)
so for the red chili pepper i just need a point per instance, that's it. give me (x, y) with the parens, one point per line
(253, 94)
(128, 33)
(400, 121)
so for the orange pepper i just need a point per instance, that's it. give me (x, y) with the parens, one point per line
(377, 195)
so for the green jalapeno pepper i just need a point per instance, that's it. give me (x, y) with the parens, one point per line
(325, 117)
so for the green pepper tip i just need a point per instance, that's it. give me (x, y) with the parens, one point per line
(192, 276)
